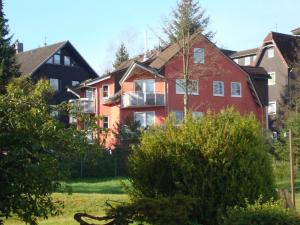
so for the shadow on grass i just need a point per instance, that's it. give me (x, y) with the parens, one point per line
(99, 186)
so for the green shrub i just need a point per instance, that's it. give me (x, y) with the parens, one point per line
(219, 160)
(269, 213)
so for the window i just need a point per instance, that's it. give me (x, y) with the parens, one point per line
(105, 122)
(50, 61)
(75, 82)
(56, 58)
(254, 57)
(178, 116)
(218, 88)
(247, 60)
(146, 86)
(54, 83)
(89, 93)
(272, 81)
(144, 118)
(105, 93)
(192, 87)
(236, 61)
(272, 108)
(236, 89)
(67, 61)
(197, 115)
(270, 52)
(198, 55)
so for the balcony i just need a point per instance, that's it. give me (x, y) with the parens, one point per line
(142, 99)
(84, 105)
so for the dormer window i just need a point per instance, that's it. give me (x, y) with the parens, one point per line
(198, 55)
(270, 52)
(247, 60)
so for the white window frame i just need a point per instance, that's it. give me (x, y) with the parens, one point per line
(180, 112)
(271, 52)
(69, 64)
(107, 122)
(272, 81)
(216, 94)
(254, 58)
(234, 95)
(93, 93)
(197, 115)
(145, 85)
(105, 85)
(179, 92)
(199, 56)
(54, 62)
(247, 60)
(236, 61)
(145, 117)
(54, 87)
(273, 112)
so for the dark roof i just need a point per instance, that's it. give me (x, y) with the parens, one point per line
(31, 60)
(252, 51)
(287, 45)
(227, 51)
(256, 71)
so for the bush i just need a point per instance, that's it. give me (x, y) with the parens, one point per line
(269, 213)
(219, 160)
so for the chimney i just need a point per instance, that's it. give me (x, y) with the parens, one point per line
(18, 47)
(296, 31)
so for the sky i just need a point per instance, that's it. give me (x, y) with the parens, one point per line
(96, 28)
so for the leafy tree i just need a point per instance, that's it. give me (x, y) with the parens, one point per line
(187, 23)
(213, 162)
(121, 56)
(8, 65)
(187, 18)
(32, 145)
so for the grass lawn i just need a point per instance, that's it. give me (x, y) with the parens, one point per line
(90, 196)
(87, 196)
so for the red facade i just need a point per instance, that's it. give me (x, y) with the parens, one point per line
(149, 95)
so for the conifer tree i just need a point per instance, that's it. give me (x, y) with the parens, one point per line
(187, 17)
(121, 56)
(8, 65)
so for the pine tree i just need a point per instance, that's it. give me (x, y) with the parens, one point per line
(121, 56)
(8, 65)
(187, 17)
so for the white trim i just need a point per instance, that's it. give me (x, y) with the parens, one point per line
(223, 91)
(105, 98)
(236, 96)
(96, 81)
(107, 122)
(132, 67)
(247, 60)
(73, 92)
(145, 112)
(269, 80)
(274, 103)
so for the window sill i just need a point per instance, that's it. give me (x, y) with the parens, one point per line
(236, 96)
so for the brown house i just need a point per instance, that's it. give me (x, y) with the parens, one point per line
(277, 55)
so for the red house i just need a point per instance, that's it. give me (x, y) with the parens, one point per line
(148, 90)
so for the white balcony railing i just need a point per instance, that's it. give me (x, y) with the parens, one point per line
(140, 99)
(84, 105)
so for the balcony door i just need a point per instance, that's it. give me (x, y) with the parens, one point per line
(144, 91)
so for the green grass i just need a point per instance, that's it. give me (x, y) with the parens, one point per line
(90, 203)
(103, 186)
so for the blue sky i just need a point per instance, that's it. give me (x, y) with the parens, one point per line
(96, 28)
